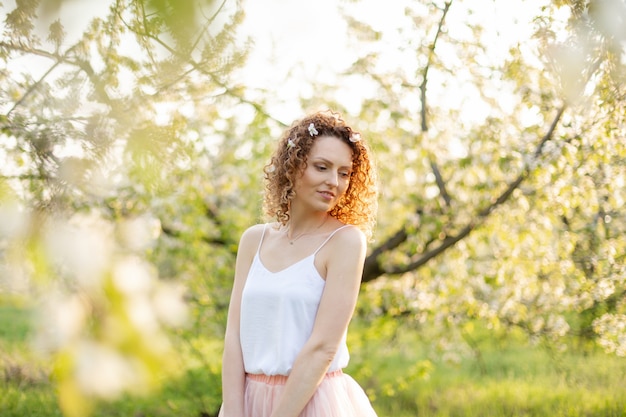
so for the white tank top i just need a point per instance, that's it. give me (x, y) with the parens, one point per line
(278, 311)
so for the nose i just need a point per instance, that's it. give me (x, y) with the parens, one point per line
(333, 178)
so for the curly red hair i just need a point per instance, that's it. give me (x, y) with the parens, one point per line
(359, 203)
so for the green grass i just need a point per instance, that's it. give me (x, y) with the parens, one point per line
(401, 373)
(513, 379)
(31, 401)
(15, 323)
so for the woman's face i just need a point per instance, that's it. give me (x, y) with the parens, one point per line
(326, 176)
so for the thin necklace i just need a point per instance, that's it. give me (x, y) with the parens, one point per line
(305, 233)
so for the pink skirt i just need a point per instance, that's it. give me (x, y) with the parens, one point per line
(338, 395)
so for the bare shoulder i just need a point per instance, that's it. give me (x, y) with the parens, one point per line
(345, 256)
(348, 240)
(253, 232)
(250, 238)
(350, 233)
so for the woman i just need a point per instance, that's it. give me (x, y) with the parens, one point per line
(297, 279)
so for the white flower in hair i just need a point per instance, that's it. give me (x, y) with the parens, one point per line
(271, 169)
(355, 137)
(312, 130)
(291, 143)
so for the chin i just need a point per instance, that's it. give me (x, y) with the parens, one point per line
(329, 207)
(325, 208)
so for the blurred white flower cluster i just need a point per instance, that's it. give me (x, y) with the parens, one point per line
(611, 329)
(104, 312)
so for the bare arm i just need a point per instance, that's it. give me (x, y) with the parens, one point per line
(343, 278)
(233, 373)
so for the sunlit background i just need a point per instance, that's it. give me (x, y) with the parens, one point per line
(132, 140)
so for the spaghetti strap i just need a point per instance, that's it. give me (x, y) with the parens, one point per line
(328, 238)
(261, 240)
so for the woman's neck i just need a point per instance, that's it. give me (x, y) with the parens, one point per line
(302, 225)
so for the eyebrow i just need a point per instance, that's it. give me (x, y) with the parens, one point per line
(328, 161)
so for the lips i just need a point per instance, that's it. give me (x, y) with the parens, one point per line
(328, 195)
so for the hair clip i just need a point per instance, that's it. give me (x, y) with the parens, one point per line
(291, 143)
(355, 137)
(312, 130)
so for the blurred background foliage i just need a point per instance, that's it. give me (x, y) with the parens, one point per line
(132, 154)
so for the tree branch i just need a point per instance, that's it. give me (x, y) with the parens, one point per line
(198, 67)
(26, 49)
(431, 54)
(178, 235)
(61, 59)
(209, 22)
(29, 177)
(32, 88)
(424, 112)
(373, 269)
(440, 184)
(39, 52)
